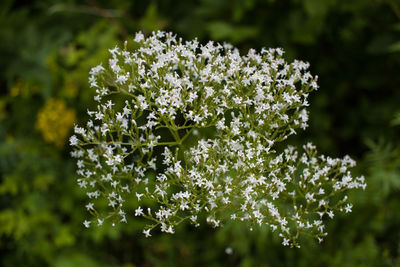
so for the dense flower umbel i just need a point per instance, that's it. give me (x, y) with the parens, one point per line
(167, 91)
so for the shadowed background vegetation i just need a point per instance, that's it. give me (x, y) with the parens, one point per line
(47, 48)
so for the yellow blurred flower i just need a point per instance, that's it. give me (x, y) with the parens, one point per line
(55, 121)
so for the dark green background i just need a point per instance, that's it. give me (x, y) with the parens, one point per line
(49, 46)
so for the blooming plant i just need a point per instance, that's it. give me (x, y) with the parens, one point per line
(159, 97)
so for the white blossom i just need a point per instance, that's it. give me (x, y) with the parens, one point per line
(151, 136)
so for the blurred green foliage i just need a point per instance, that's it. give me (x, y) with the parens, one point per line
(46, 51)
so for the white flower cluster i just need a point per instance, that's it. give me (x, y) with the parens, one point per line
(155, 97)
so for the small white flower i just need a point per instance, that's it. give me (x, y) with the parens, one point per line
(89, 206)
(139, 211)
(139, 37)
(285, 242)
(348, 208)
(73, 140)
(229, 250)
(146, 232)
(86, 224)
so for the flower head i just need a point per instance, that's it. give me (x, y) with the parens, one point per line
(150, 135)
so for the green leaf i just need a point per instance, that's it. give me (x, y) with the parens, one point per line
(223, 31)
(76, 259)
(394, 47)
(396, 120)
